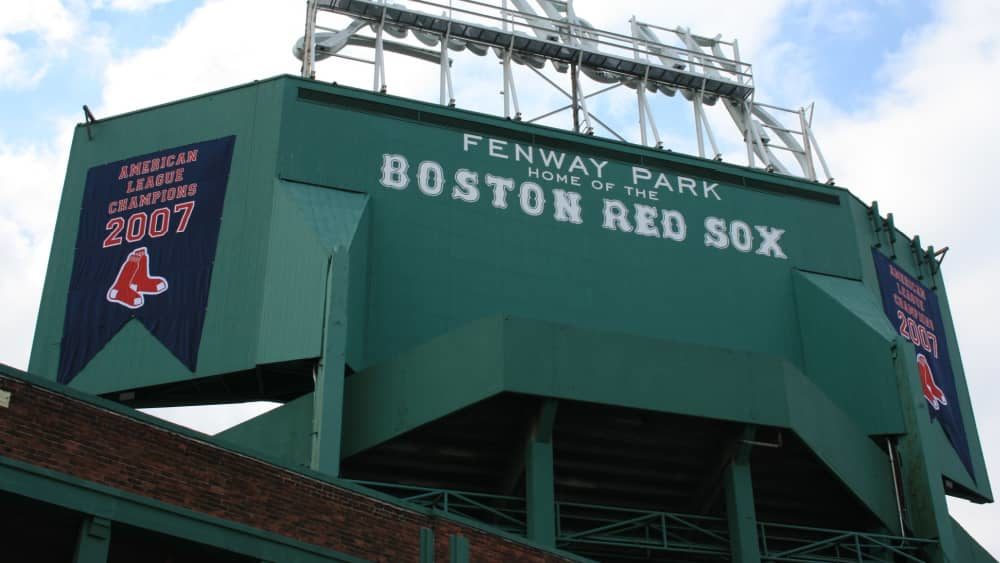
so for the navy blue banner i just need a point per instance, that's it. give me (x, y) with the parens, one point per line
(145, 248)
(913, 309)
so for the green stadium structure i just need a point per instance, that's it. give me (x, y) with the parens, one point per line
(610, 351)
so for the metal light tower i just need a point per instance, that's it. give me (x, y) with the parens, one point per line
(548, 34)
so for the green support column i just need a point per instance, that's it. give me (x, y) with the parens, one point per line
(426, 545)
(94, 540)
(328, 398)
(923, 488)
(459, 546)
(538, 476)
(743, 540)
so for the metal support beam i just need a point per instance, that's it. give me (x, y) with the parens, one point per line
(709, 492)
(94, 541)
(309, 41)
(539, 479)
(744, 543)
(328, 408)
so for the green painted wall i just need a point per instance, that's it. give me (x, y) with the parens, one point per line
(307, 181)
(439, 262)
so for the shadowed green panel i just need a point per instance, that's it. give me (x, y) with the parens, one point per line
(282, 433)
(848, 350)
(843, 446)
(442, 376)
(544, 359)
(559, 361)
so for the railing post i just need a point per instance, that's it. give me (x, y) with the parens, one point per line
(743, 541)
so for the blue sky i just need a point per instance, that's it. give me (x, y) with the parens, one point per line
(847, 43)
(888, 118)
(72, 75)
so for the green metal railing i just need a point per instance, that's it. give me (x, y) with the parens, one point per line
(783, 542)
(580, 525)
(585, 528)
(504, 512)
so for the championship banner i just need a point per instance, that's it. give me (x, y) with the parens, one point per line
(913, 309)
(149, 226)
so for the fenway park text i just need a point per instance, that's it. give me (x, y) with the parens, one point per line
(564, 205)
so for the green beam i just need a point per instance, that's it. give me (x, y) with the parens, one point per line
(328, 408)
(94, 541)
(744, 543)
(538, 477)
(115, 505)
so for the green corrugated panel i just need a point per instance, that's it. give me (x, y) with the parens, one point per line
(291, 324)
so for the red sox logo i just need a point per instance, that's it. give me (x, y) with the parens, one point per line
(134, 282)
(933, 393)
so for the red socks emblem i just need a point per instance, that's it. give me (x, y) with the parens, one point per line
(933, 393)
(134, 281)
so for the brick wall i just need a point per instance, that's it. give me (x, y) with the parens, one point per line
(71, 436)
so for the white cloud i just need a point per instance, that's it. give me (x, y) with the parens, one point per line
(212, 419)
(15, 67)
(220, 44)
(847, 17)
(48, 21)
(48, 18)
(129, 5)
(31, 178)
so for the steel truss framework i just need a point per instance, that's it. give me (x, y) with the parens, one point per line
(537, 33)
(583, 526)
